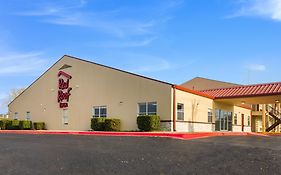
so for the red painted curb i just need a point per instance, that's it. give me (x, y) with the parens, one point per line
(184, 136)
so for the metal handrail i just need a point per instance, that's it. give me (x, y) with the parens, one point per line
(274, 111)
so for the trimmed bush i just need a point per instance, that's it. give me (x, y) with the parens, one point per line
(112, 124)
(148, 123)
(97, 123)
(4, 124)
(25, 125)
(13, 125)
(39, 125)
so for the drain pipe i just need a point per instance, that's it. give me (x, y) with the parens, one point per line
(174, 108)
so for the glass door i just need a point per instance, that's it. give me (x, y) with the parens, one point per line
(223, 121)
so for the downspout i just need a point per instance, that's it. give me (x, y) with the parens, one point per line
(174, 108)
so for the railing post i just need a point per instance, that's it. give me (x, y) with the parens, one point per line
(263, 118)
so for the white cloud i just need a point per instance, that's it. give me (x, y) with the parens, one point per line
(21, 63)
(117, 22)
(256, 67)
(264, 8)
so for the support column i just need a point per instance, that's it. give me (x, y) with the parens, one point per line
(263, 118)
(174, 109)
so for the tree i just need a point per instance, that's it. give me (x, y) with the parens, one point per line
(12, 95)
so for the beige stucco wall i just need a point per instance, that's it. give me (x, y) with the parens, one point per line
(239, 111)
(195, 106)
(235, 110)
(93, 85)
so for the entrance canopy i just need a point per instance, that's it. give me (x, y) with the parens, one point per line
(269, 93)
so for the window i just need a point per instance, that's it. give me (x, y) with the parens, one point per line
(180, 112)
(149, 108)
(16, 116)
(210, 115)
(235, 119)
(27, 117)
(65, 117)
(99, 111)
(249, 120)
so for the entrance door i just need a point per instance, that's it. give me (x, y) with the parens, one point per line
(223, 121)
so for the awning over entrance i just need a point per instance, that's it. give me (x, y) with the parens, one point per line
(251, 94)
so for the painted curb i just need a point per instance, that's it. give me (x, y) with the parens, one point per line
(183, 136)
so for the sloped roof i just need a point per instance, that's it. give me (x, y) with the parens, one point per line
(200, 83)
(245, 91)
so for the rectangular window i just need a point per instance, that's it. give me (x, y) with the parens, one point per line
(149, 108)
(180, 111)
(210, 115)
(27, 117)
(235, 119)
(16, 116)
(99, 111)
(249, 120)
(65, 117)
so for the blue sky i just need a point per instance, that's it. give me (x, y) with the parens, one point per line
(171, 40)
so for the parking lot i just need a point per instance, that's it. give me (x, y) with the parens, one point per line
(73, 154)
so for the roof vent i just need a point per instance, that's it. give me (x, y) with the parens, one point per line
(65, 67)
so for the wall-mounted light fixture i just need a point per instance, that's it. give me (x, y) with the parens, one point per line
(243, 102)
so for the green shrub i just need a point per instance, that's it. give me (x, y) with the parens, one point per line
(148, 123)
(112, 124)
(4, 124)
(13, 125)
(97, 123)
(25, 125)
(39, 125)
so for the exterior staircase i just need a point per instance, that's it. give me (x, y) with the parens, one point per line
(276, 115)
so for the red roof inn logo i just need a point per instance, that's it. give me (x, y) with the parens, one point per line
(64, 89)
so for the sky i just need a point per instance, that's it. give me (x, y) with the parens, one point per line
(236, 41)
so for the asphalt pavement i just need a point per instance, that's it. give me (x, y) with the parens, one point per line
(22, 154)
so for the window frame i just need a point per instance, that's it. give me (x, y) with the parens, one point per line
(235, 119)
(16, 116)
(181, 111)
(27, 115)
(210, 117)
(99, 108)
(65, 118)
(146, 108)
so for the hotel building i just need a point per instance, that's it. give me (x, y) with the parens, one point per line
(72, 91)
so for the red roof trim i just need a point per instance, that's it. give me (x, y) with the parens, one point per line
(256, 90)
(193, 92)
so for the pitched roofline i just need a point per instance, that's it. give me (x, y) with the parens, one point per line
(247, 96)
(241, 86)
(127, 72)
(234, 84)
(87, 62)
(193, 92)
(36, 80)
